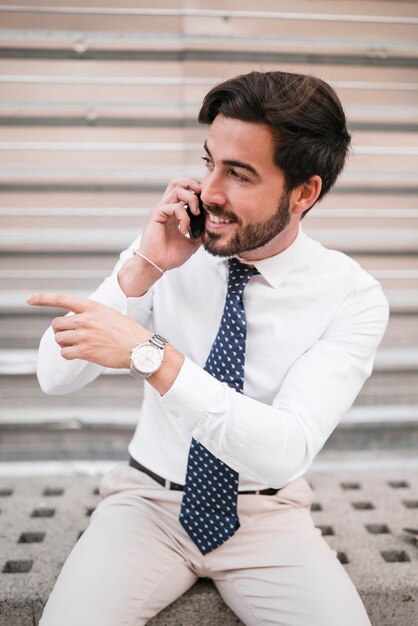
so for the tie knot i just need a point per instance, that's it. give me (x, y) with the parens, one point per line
(239, 275)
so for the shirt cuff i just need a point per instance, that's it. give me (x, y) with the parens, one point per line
(133, 304)
(194, 396)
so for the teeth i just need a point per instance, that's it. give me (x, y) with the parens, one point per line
(218, 220)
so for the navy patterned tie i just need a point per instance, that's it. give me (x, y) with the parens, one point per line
(209, 506)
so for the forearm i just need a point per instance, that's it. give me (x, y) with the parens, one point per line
(261, 441)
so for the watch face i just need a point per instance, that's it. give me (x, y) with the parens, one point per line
(147, 359)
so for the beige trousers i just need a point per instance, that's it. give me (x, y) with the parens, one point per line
(135, 558)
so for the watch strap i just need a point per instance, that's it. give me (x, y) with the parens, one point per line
(158, 341)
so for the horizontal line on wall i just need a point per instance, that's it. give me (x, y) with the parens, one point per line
(55, 146)
(269, 15)
(372, 56)
(181, 81)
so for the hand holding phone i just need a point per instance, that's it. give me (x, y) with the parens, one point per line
(197, 222)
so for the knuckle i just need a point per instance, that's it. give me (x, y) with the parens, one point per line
(81, 336)
(172, 184)
(88, 320)
(81, 320)
(175, 192)
(55, 324)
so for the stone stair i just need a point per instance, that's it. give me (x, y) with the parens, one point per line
(98, 109)
(361, 514)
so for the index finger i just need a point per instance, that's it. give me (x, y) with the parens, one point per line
(61, 301)
(186, 183)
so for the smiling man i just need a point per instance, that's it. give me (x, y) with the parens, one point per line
(253, 342)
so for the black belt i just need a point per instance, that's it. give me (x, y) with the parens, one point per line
(176, 487)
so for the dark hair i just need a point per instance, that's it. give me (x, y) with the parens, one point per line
(304, 114)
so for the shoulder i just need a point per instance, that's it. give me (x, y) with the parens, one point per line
(335, 266)
(349, 283)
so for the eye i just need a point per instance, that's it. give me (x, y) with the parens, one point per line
(206, 161)
(239, 177)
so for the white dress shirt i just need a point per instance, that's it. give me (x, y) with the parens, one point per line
(314, 321)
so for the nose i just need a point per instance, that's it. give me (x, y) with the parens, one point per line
(212, 190)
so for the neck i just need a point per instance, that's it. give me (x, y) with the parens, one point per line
(279, 243)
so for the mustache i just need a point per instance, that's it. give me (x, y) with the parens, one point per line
(218, 211)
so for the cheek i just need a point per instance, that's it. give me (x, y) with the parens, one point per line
(253, 209)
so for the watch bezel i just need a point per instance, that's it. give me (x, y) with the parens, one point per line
(156, 349)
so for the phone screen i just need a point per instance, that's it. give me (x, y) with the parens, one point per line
(197, 222)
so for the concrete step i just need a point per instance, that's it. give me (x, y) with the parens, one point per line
(18, 158)
(22, 329)
(203, 70)
(119, 217)
(159, 138)
(384, 267)
(393, 116)
(15, 43)
(394, 386)
(361, 19)
(112, 240)
(399, 284)
(103, 203)
(95, 97)
(21, 389)
(390, 391)
(393, 383)
(361, 514)
(388, 358)
(55, 434)
(366, 176)
(22, 326)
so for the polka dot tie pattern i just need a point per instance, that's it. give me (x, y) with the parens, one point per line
(209, 506)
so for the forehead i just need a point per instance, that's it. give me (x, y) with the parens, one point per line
(230, 139)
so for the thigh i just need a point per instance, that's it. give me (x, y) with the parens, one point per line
(124, 569)
(281, 571)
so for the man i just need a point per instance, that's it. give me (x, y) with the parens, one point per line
(253, 340)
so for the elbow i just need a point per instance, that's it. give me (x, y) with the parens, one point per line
(285, 467)
(296, 457)
(286, 473)
(48, 386)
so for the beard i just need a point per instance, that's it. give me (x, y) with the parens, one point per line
(247, 237)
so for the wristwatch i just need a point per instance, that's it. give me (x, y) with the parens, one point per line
(147, 357)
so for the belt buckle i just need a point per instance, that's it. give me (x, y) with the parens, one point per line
(167, 484)
(257, 492)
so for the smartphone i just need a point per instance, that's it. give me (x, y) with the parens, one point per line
(197, 222)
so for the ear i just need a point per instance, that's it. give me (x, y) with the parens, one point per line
(306, 195)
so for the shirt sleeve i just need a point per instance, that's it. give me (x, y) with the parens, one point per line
(275, 444)
(57, 375)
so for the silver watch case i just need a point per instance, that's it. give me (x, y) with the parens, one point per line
(147, 357)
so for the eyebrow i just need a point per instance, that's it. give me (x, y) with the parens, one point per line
(234, 163)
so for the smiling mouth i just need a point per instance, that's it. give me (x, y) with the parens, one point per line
(217, 220)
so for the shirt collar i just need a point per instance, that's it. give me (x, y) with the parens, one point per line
(275, 269)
